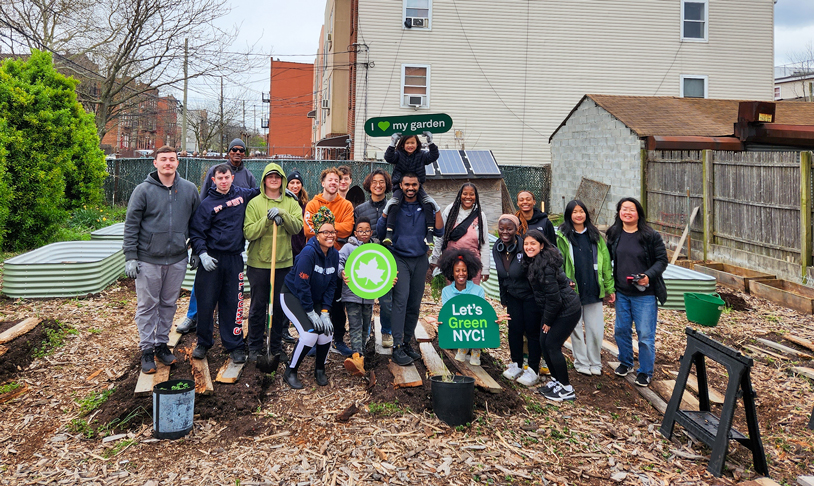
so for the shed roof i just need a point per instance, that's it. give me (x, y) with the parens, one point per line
(687, 117)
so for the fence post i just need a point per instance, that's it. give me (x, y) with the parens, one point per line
(805, 213)
(709, 194)
(643, 177)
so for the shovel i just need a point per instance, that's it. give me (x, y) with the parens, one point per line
(269, 363)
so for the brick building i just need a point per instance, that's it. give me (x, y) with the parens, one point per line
(291, 98)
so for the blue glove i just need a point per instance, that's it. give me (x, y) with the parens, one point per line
(327, 325)
(209, 263)
(274, 215)
(194, 261)
(315, 320)
(131, 268)
(394, 139)
(428, 135)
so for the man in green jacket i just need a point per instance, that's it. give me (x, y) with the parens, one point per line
(273, 207)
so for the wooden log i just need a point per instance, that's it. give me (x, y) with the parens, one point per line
(692, 382)
(9, 396)
(432, 361)
(665, 389)
(755, 349)
(18, 329)
(646, 393)
(229, 372)
(404, 376)
(784, 349)
(202, 377)
(799, 341)
(482, 378)
(807, 372)
(377, 330)
(145, 383)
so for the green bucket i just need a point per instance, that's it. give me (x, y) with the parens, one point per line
(704, 309)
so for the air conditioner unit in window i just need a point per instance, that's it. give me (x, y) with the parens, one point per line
(326, 104)
(420, 22)
(415, 100)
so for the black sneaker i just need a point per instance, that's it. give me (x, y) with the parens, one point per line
(559, 393)
(320, 377)
(238, 355)
(642, 380)
(254, 354)
(287, 337)
(189, 325)
(200, 352)
(415, 355)
(163, 353)
(290, 377)
(430, 238)
(148, 361)
(621, 370)
(400, 357)
(388, 237)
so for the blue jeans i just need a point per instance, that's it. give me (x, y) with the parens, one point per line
(385, 308)
(643, 311)
(192, 313)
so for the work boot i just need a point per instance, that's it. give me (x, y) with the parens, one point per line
(254, 354)
(238, 355)
(355, 365)
(290, 377)
(189, 325)
(200, 352)
(415, 355)
(388, 237)
(163, 353)
(320, 377)
(387, 340)
(400, 356)
(148, 361)
(287, 337)
(430, 238)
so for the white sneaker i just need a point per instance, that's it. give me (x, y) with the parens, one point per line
(528, 378)
(583, 371)
(596, 371)
(474, 358)
(513, 372)
(461, 355)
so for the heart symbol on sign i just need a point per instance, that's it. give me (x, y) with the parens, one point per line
(384, 125)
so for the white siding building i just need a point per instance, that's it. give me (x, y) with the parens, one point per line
(509, 72)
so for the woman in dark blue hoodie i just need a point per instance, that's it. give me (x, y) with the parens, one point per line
(309, 288)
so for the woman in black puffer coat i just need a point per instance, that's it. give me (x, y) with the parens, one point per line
(559, 305)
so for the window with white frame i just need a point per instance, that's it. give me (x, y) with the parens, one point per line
(777, 94)
(417, 14)
(415, 86)
(694, 20)
(693, 86)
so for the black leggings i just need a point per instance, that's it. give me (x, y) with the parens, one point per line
(551, 343)
(525, 321)
(308, 338)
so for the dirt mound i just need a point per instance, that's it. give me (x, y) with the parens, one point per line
(736, 302)
(21, 351)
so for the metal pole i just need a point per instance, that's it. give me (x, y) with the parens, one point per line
(222, 150)
(184, 114)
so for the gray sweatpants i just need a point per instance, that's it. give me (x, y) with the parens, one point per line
(157, 290)
(588, 347)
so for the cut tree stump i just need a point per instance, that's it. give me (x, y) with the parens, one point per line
(784, 349)
(799, 341)
(648, 394)
(665, 389)
(404, 376)
(377, 329)
(435, 365)
(715, 396)
(18, 329)
(482, 378)
(229, 372)
(807, 372)
(203, 380)
(145, 384)
(754, 349)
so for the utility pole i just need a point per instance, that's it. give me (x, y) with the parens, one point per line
(184, 113)
(222, 149)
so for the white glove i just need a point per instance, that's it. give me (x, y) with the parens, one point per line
(209, 263)
(274, 215)
(428, 135)
(429, 200)
(327, 325)
(315, 320)
(390, 203)
(131, 268)
(394, 139)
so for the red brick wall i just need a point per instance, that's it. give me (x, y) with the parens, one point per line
(291, 99)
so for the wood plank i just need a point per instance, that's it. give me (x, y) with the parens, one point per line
(775, 291)
(805, 480)
(755, 349)
(405, 376)
(807, 372)
(202, 377)
(421, 333)
(145, 383)
(665, 389)
(612, 349)
(482, 378)
(18, 329)
(229, 372)
(175, 336)
(692, 382)
(377, 330)
(430, 325)
(784, 349)
(648, 394)
(432, 361)
(684, 235)
(3, 350)
(799, 341)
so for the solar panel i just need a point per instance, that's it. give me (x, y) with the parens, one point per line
(451, 163)
(482, 162)
(430, 169)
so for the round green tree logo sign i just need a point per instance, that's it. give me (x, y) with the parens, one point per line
(370, 270)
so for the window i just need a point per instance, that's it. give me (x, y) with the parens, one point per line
(417, 14)
(693, 86)
(694, 20)
(415, 86)
(777, 94)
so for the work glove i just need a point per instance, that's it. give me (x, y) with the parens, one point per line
(390, 203)
(209, 263)
(290, 194)
(194, 261)
(429, 200)
(327, 325)
(315, 320)
(131, 268)
(428, 135)
(394, 139)
(274, 215)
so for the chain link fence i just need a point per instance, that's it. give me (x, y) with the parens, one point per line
(126, 174)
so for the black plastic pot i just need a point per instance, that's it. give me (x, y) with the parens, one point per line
(173, 408)
(453, 402)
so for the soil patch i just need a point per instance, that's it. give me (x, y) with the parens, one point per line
(20, 352)
(736, 302)
(5, 325)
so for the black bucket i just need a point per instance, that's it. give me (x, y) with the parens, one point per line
(453, 401)
(173, 408)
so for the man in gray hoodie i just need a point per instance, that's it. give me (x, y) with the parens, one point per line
(156, 230)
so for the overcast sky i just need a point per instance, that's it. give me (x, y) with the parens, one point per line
(793, 29)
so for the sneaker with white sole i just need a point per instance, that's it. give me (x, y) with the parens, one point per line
(528, 378)
(474, 357)
(621, 370)
(559, 393)
(387, 340)
(513, 372)
(596, 370)
(642, 380)
(548, 386)
(583, 370)
(544, 371)
(461, 354)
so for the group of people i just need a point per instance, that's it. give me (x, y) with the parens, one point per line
(552, 281)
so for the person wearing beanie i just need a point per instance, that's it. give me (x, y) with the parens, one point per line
(242, 176)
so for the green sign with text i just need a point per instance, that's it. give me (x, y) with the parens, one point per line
(408, 125)
(370, 270)
(468, 321)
